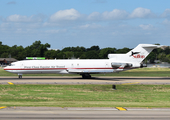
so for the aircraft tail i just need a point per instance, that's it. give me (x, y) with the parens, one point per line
(139, 53)
(136, 55)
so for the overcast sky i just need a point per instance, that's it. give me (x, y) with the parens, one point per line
(71, 23)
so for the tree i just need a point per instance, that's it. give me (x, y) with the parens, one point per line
(5, 55)
(168, 58)
(167, 50)
(92, 55)
(124, 50)
(151, 57)
(36, 49)
(95, 48)
(69, 54)
(105, 51)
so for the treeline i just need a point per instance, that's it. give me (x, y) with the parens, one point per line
(41, 50)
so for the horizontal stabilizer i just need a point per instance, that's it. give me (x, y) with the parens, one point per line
(150, 46)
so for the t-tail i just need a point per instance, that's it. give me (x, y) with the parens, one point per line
(134, 57)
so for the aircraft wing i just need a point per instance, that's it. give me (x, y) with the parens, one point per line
(93, 71)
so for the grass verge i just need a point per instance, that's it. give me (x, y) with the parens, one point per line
(85, 95)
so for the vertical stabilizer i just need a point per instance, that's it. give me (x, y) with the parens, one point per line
(139, 53)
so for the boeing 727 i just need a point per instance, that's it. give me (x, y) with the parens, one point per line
(116, 63)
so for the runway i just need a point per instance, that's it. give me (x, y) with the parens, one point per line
(39, 113)
(79, 80)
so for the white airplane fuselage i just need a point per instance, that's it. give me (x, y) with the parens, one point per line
(79, 66)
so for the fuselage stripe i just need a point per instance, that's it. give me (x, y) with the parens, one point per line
(60, 68)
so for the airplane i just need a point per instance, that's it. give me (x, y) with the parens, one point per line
(115, 63)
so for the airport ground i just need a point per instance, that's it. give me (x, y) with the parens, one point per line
(69, 80)
(40, 113)
(83, 112)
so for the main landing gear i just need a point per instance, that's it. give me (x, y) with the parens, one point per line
(19, 76)
(86, 76)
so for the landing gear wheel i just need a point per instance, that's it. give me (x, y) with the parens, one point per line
(20, 76)
(86, 76)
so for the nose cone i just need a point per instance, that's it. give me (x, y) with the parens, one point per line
(7, 68)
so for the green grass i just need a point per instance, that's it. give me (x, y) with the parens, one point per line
(89, 95)
(144, 72)
(141, 72)
(85, 95)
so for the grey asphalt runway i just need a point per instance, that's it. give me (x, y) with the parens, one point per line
(79, 80)
(85, 114)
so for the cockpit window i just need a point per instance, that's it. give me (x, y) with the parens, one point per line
(12, 65)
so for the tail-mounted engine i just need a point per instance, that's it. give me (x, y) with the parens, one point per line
(124, 65)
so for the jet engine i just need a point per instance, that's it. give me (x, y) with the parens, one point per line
(117, 65)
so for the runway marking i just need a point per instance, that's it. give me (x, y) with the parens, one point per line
(121, 109)
(3, 107)
(130, 83)
(10, 83)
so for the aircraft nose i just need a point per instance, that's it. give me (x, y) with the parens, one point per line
(5, 68)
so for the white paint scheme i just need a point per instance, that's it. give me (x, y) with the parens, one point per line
(84, 67)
